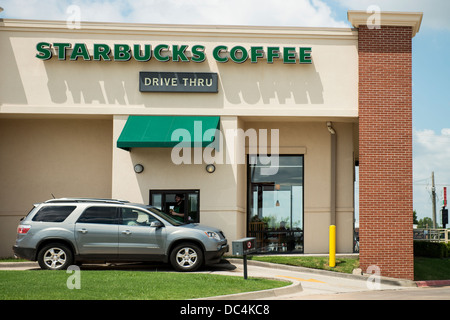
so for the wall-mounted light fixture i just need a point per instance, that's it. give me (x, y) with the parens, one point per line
(330, 128)
(138, 168)
(210, 168)
(277, 187)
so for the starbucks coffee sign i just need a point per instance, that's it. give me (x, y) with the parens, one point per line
(175, 53)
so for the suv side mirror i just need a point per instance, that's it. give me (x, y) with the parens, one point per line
(156, 224)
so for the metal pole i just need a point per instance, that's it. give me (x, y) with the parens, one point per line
(245, 267)
(333, 173)
(332, 249)
(433, 197)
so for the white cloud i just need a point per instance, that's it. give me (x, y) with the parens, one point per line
(56, 10)
(431, 154)
(307, 13)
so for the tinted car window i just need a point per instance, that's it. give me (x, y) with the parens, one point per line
(135, 217)
(103, 215)
(53, 213)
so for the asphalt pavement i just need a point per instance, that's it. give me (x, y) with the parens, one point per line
(311, 284)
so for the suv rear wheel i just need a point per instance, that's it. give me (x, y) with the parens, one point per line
(186, 257)
(55, 256)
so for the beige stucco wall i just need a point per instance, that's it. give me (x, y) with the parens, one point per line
(40, 157)
(223, 194)
(297, 99)
(313, 140)
(327, 87)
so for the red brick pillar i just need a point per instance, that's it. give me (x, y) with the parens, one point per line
(385, 150)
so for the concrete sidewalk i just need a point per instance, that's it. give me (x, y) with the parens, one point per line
(313, 284)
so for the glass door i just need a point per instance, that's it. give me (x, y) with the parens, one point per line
(275, 205)
(184, 205)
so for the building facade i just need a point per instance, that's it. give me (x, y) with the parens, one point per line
(258, 129)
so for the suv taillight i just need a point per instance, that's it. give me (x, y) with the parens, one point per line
(23, 229)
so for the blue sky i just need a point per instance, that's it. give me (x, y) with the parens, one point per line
(431, 47)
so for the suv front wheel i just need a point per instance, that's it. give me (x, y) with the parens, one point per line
(55, 256)
(186, 257)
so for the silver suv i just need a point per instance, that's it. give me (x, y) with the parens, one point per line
(61, 232)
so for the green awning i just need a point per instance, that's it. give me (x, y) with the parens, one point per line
(168, 132)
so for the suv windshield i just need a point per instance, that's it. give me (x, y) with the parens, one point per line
(165, 216)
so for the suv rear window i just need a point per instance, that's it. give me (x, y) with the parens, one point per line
(53, 213)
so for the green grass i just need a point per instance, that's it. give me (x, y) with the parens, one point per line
(345, 265)
(124, 285)
(12, 259)
(431, 269)
(424, 268)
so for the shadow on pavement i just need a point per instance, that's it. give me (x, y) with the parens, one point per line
(224, 265)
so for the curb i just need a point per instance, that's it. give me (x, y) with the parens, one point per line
(7, 265)
(433, 283)
(385, 280)
(293, 288)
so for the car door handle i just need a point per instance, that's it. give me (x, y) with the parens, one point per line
(126, 232)
(83, 230)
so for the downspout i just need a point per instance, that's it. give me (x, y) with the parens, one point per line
(333, 174)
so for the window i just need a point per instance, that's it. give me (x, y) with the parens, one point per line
(275, 204)
(53, 213)
(103, 215)
(169, 200)
(135, 217)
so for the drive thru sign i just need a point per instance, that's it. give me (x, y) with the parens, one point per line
(242, 247)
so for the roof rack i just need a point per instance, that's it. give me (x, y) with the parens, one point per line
(66, 200)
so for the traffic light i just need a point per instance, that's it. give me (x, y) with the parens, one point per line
(444, 216)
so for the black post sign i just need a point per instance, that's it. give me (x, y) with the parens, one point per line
(178, 82)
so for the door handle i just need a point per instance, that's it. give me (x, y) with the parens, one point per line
(83, 230)
(126, 232)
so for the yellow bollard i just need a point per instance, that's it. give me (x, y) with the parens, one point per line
(332, 245)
